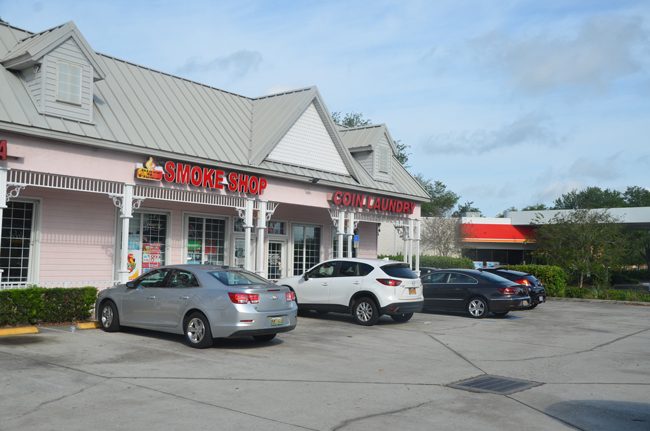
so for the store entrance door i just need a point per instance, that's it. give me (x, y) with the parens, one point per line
(276, 259)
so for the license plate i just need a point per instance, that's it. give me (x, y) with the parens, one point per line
(524, 303)
(277, 321)
(541, 299)
(412, 290)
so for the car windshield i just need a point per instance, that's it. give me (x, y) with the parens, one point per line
(493, 278)
(237, 278)
(399, 270)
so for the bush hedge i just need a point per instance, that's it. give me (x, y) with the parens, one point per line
(46, 305)
(553, 278)
(617, 295)
(438, 261)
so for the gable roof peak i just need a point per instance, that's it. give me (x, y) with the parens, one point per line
(32, 49)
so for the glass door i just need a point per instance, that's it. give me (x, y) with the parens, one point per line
(275, 260)
(206, 238)
(147, 243)
(306, 247)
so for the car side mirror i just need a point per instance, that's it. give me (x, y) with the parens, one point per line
(306, 276)
(130, 285)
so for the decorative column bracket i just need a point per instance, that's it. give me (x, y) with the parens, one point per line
(14, 189)
(118, 201)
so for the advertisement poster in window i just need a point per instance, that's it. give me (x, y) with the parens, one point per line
(151, 256)
(133, 264)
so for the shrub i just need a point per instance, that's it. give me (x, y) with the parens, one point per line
(37, 304)
(438, 261)
(630, 276)
(552, 277)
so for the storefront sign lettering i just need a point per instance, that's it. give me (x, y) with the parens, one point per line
(181, 173)
(3, 150)
(197, 176)
(376, 203)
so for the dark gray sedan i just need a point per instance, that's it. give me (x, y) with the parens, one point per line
(200, 301)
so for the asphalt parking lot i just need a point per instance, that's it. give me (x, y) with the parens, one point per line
(592, 362)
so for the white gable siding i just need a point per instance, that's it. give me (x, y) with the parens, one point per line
(308, 144)
(67, 52)
(33, 78)
(382, 149)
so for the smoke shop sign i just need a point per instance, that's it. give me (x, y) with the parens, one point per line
(198, 176)
(377, 203)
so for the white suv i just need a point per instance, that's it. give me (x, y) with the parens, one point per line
(366, 288)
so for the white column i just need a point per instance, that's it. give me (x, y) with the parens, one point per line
(3, 198)
(248, 225)
(417, 245)
(350, 232)
(261, 228)
(340, 232)
(411, 237)
(405, 237)
(126, 213)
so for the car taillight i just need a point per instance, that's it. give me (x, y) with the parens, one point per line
(290, 296)
(508, 290)
(523, 281)
(244, 298)
(389, 281)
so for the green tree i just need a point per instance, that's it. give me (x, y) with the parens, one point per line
(503, 213)
(467, 207)
(536, 207)
(402, 153)
(586, 243)
(590, 198)
(350, 119)
(442, 200)
(635, 196)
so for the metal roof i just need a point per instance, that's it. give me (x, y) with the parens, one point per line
(142, 110)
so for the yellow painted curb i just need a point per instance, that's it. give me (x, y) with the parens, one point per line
(88, 325)
(21, 330)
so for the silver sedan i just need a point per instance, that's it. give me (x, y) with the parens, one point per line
(200, 301)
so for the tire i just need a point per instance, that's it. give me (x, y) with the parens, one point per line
(477, 307)
(533, 306)
(365, 312)
(401, 318)
(264, 338)
(109, 318)
(501, 315)
(197, 331)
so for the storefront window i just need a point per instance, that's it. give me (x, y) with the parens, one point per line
(147, 241)
(276, 228)
(15, 241)
(205, 240)
(306, 247)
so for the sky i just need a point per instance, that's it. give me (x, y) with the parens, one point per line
(509, 103)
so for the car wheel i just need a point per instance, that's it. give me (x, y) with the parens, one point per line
(404, 317)
(477, 308)
(108, 318)
(197, 331)
(264, 338)
(502, 314)
(365, 312)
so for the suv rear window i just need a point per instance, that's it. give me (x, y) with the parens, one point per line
(399, 270)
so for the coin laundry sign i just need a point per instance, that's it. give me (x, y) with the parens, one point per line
(197, 176)
(377, 203)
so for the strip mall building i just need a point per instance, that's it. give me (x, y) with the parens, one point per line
(109, 169)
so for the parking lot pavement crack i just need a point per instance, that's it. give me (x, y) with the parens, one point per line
(55, 400)
(374, 415)
(568, 424)
(460, 355)
(577, 352)
(205, 403)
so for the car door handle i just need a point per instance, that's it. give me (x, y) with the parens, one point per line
(184, 297)
(323, 284)
(356, 282)
(151, 297)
